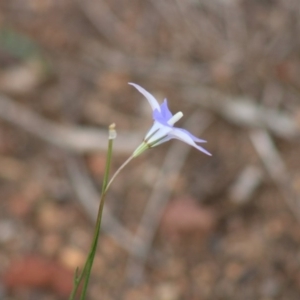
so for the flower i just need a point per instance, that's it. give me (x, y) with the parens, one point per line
(163, 128)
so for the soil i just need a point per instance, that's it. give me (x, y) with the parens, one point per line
(69, 62)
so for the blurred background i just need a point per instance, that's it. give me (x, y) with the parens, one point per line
(178, 224)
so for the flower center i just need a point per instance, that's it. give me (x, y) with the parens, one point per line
(175, 118)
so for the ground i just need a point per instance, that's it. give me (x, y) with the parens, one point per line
(183, 225)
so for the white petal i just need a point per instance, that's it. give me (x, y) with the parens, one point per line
(157, 132)
(152, 101)
(155, 127)
(181, 135)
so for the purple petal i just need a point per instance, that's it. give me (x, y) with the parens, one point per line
(185, 136)
(152, 101)
(165, 110)
(159, 117)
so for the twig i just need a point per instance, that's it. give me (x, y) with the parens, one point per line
(164, 70)
(276, 168)
(198, 32)
(235, 25)
(246, 184)
(73, 138)
(108, 24)
(243, 111)
(89, 197)
(158, 200)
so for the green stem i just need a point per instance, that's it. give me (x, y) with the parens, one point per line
(91, 256)
(86, 272)
(89, 261)
(77, 281)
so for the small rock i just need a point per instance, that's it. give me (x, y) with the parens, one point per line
(22, 79)
(184, 216)
(50, 217)
(167, 291)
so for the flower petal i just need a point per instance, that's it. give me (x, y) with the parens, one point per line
(185, 136)
(194, 138)
(157, 132)
(152, 101)
(165, 110)
(157, 116)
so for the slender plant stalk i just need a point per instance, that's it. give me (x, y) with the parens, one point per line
(86, 272)
(118, 171)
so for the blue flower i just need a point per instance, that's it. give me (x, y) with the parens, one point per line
(163, 128)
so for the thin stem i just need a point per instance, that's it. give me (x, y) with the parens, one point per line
(86, 272)
(91, 256)
(92, 253)
(90, 259)
(118, 171)
(77, 281)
